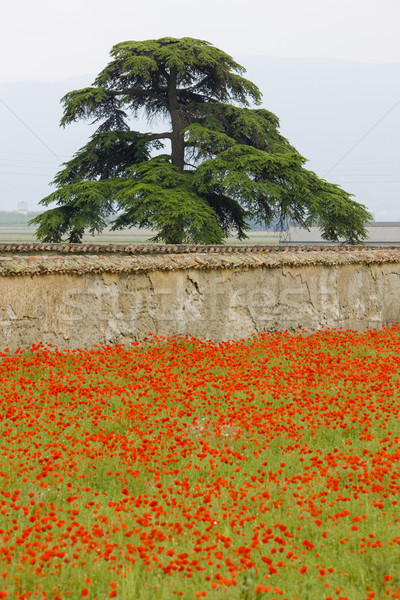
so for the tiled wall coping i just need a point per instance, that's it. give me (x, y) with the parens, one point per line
(32, 259)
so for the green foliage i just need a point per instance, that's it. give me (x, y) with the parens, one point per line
(228, 163)
(254, 127)
(107, 154)
(157, 196)
(82, 205)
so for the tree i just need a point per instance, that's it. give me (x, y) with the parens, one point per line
(228, 161)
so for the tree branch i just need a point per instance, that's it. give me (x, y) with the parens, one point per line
(159, 136)
(138, 92)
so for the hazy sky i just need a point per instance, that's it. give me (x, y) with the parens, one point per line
(49, 40)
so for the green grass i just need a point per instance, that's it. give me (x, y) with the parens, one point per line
(22, 234)
(266, 468)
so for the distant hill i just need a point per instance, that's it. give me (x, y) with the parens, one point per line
(325, 107)
(16, 219)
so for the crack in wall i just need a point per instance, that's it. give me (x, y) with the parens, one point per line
(195, 284)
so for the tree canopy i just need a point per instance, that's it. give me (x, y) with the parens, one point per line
(228, 162)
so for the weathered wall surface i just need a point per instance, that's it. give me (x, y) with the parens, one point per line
(79, 309)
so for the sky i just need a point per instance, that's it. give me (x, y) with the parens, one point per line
(49, 40)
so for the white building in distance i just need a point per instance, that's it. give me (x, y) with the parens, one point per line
(23, 208)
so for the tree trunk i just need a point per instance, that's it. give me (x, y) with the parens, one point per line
(177, 141)
(175, 234)
(177, 122)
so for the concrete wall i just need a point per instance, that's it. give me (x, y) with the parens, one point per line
(79, 310)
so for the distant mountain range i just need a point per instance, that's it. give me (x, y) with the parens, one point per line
(15, 218)
(332, 111)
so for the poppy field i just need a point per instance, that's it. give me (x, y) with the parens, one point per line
(264, 468)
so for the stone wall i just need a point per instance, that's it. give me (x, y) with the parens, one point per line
(77, 300)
